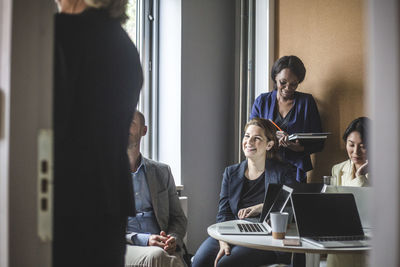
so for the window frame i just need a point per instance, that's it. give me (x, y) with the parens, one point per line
(160, 96)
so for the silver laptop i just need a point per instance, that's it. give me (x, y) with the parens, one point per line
(308, 188)
(362, 195)
(328, 220)
(271, 203)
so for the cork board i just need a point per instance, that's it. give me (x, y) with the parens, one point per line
(328, 35)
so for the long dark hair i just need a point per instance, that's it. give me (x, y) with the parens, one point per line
(360, 125)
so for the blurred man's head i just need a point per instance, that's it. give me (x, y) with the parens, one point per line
(138, 130)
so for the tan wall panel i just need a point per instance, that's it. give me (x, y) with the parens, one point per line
(328, 36)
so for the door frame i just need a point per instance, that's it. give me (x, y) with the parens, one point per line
(26, 73)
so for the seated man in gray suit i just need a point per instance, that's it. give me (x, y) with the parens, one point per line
(155, 235)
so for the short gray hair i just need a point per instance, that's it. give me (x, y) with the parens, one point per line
(115, 8)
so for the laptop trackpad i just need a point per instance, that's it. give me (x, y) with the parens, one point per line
(226, 228)
(252, 219)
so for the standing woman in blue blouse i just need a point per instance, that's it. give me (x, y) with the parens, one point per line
(293, 112)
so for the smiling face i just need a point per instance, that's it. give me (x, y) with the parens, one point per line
(286, 83)
(356, 149)
(255, 144)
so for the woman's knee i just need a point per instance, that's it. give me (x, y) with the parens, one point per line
(225, 262)
(206, 253)
(242, 256)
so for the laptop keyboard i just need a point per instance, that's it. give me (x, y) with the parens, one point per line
(251, 227)
(340, 238)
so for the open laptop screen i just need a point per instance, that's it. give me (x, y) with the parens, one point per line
(308, 187)
(326, 215)
(362, 195)
(271, 193)
(281, 199)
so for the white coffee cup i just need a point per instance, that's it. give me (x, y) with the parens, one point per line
(279, 222)
(327, 180)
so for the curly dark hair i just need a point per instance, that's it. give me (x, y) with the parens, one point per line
(289, 62)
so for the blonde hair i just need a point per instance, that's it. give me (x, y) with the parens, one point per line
(269, 132)
(115, 8)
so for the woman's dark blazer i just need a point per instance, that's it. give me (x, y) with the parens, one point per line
(276, 172)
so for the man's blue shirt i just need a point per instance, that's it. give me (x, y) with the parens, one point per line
(145, 223)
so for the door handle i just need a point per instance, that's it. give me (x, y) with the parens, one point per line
(45, 185)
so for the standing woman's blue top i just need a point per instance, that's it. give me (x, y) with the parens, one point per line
(303, 118)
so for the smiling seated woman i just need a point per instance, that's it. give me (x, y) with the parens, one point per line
(242, 194)
(352, 172)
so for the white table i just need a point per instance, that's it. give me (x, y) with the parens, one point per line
(268, 243)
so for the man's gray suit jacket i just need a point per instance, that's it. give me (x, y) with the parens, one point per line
(165, 201)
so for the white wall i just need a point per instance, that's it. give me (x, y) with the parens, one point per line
(383, 82)
(208, 65)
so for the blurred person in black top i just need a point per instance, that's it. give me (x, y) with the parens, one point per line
(97, 82)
